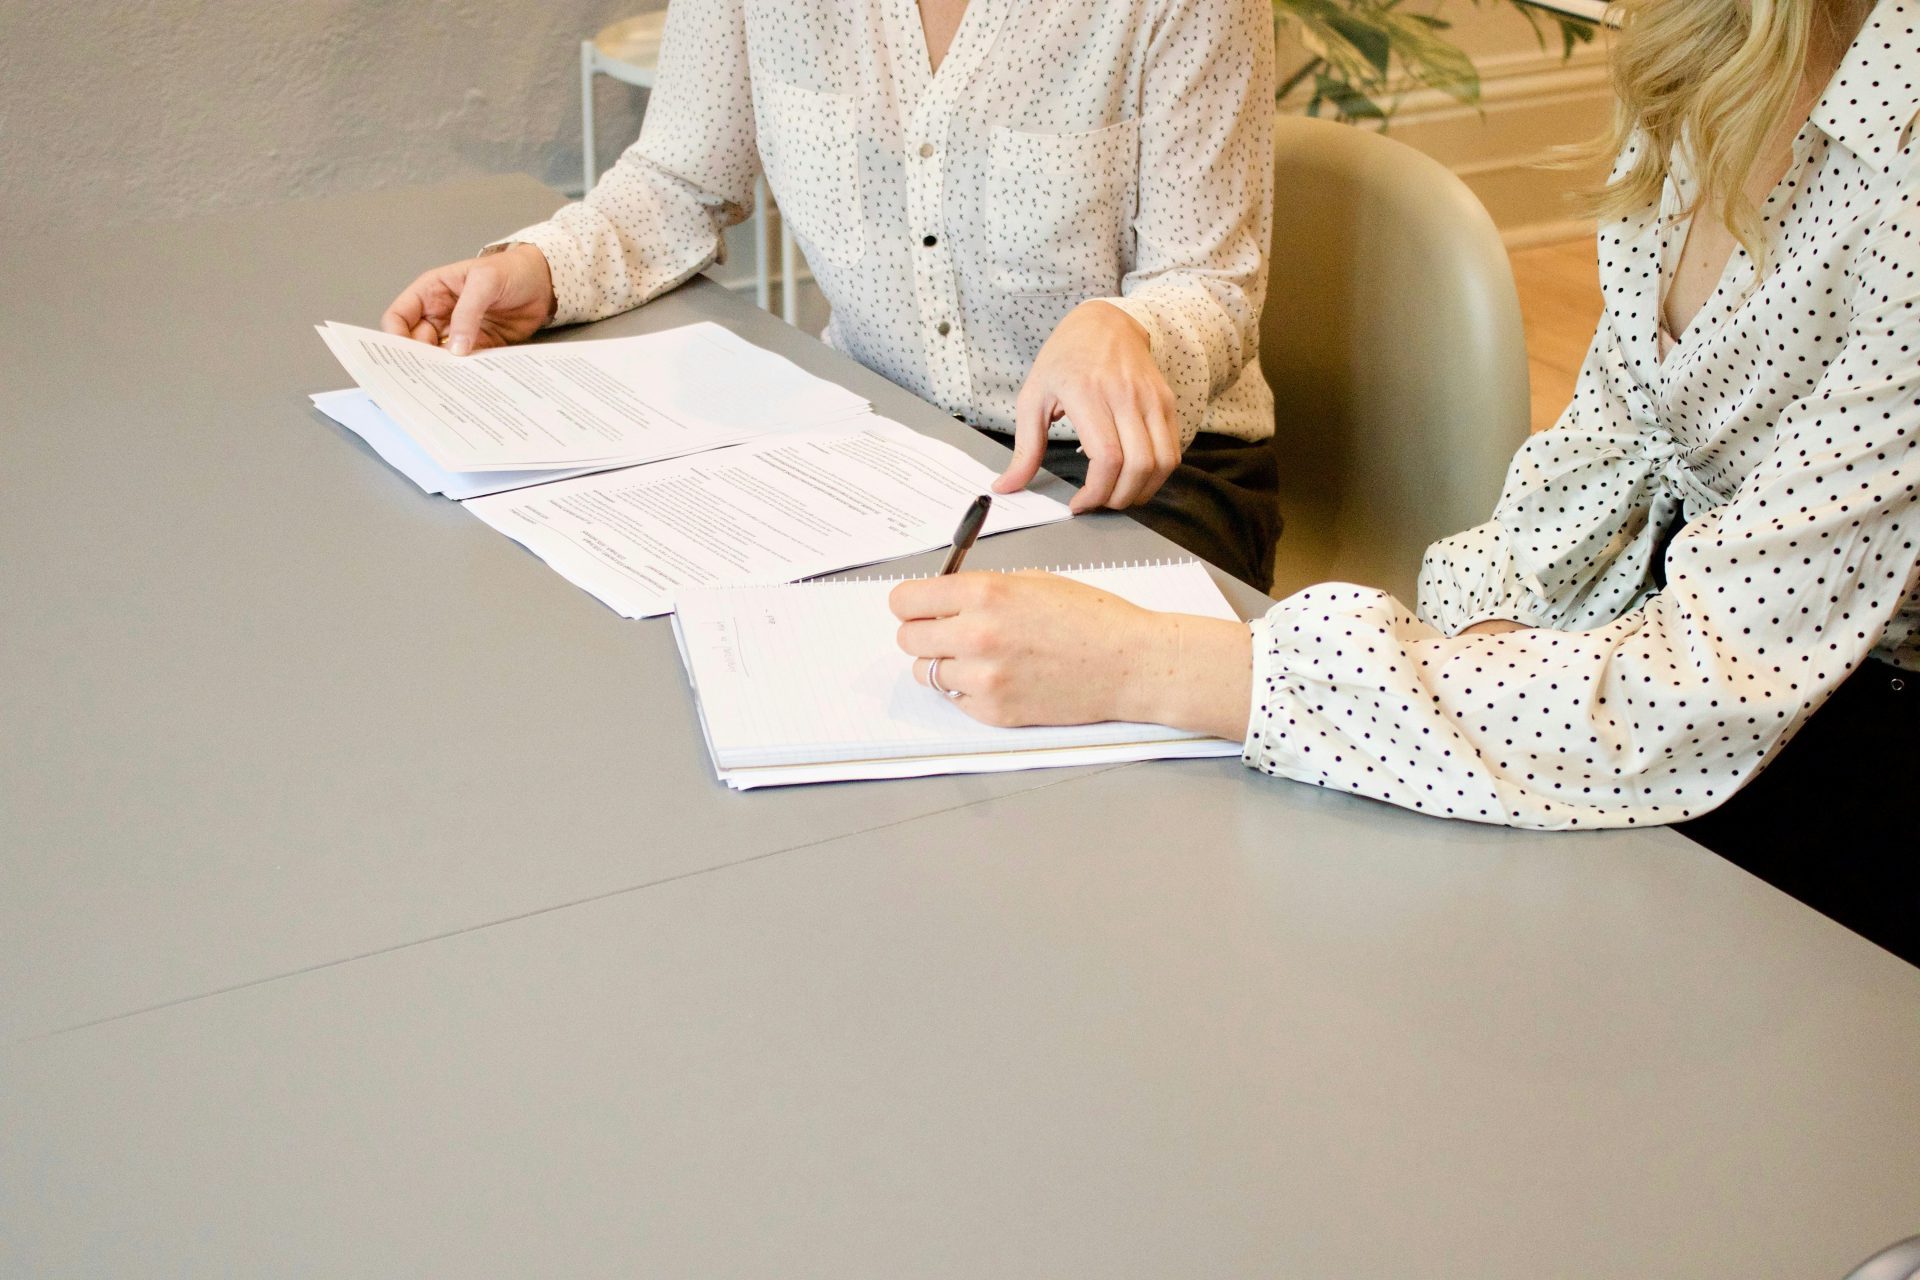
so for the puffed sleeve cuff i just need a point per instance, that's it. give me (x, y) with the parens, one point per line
(1326, 637)
(573, 300)
(1265, 747)
(1284, 736)
(1470, 578)
(1338, 702)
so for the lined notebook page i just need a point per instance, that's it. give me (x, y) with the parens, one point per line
(811, 674)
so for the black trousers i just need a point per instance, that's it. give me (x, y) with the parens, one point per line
(1832, 819)
(1222, 502)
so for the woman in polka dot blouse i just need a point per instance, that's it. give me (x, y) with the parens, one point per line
(1050, 219)
(1711, 558)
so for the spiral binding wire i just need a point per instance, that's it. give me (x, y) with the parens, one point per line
(822, 580)
(1095, 567)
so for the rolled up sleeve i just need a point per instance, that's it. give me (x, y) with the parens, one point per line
(1205, 214)
(656, 218)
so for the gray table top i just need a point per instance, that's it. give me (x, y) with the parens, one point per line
(281, 707)
(370, 909)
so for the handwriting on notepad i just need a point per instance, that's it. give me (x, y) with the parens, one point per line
(807, 683)
(726, 646)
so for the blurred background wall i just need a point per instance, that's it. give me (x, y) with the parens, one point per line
(113, 112)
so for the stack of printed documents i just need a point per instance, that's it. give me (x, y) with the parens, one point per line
(639, 467)
(607, 403)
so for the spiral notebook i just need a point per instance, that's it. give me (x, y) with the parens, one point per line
(805, 683)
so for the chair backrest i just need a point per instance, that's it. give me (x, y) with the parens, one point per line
(1393, 344)
(1895, 1262)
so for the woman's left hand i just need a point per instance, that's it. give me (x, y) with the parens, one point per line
(1033, 648)
(1097, 370)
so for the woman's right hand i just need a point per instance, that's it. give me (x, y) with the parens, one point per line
(490, 301)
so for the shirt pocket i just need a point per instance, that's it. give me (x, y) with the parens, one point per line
(1059, 208)
(810, 146)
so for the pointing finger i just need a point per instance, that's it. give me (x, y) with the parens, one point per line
(1031, 415)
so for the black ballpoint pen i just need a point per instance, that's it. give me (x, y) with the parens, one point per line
(969, 530)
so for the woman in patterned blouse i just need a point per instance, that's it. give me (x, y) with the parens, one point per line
(1051, 220)
(1712, 554)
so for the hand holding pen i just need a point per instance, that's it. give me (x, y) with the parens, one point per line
(967, 534)
(963, 539)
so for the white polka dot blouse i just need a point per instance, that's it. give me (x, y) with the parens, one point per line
(1078, 149)
(1780, 438)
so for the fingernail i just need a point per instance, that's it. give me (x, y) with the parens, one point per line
(460, 346)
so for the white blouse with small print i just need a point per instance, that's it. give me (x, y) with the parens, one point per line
(1079, 149)
(1778, 447)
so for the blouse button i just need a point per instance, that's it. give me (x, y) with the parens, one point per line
(926, 151)
(943, 328)
(930, 241)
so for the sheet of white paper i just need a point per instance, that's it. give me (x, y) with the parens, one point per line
(773, 510)
(609, 402)
(989, 762)
(355, 410)
(806, 683)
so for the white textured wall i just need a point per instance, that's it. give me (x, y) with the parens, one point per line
(117, 112)
(113, 112)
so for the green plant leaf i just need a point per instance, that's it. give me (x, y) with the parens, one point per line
(1364, 53)
(1348, 101)
(1372, 41)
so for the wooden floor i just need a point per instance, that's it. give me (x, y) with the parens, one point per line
(1560, 305)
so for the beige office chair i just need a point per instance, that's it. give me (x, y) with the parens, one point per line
(1392, 341)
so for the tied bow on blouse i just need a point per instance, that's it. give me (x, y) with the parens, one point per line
(1579, 501)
